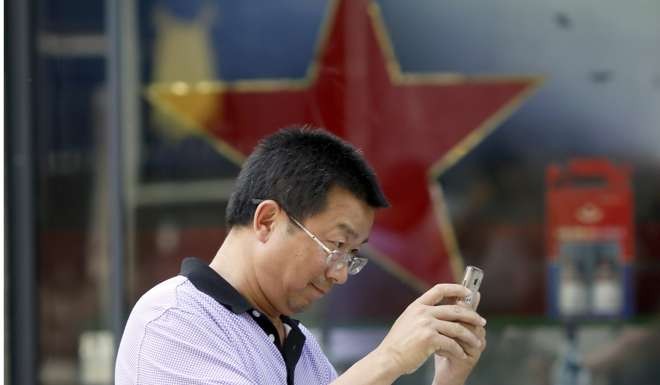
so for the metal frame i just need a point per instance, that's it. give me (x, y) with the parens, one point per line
(23, 332)
(116, 59)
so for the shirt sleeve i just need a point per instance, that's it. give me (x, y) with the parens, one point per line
(323, 371)
(182, 348)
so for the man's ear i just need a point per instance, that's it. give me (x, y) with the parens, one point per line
(265, 219)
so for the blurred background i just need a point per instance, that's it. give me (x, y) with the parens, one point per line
(127, 121)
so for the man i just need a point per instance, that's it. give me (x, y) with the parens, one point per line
(304, 203)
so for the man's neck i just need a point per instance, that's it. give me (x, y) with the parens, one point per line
(234, 262)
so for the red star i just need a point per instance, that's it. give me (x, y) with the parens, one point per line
(410, 127)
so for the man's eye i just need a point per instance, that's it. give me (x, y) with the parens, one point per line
(339, 244)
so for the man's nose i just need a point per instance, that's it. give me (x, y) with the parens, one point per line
(338, 276)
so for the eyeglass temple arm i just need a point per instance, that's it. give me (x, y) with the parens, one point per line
(309, 233)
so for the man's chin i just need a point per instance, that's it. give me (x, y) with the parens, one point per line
(298, 307)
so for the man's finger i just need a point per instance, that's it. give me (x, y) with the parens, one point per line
(444, 346)
(458, 332)
(457, 313)
(435, 294)
(478, 331)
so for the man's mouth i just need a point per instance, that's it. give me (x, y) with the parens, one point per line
(321, 291)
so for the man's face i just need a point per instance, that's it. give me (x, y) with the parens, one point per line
(294, 272)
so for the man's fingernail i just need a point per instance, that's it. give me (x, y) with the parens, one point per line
(483, 321)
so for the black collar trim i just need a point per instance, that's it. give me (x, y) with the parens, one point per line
(211, 283)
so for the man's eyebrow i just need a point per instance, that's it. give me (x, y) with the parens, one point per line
(349, 230)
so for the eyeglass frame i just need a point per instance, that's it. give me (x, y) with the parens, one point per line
(341, 258)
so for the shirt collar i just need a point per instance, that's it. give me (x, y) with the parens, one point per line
(211, 283)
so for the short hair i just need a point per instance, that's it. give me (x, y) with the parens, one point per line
(297, 167)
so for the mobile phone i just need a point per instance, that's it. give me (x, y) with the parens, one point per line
(472, 280)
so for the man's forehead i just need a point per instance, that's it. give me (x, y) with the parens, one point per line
(346, 213)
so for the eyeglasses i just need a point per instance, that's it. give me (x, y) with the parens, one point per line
(336, 259)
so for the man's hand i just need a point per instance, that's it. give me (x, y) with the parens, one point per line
(453, 332)
(452, 371)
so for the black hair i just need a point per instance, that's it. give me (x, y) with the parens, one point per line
(297, 167)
